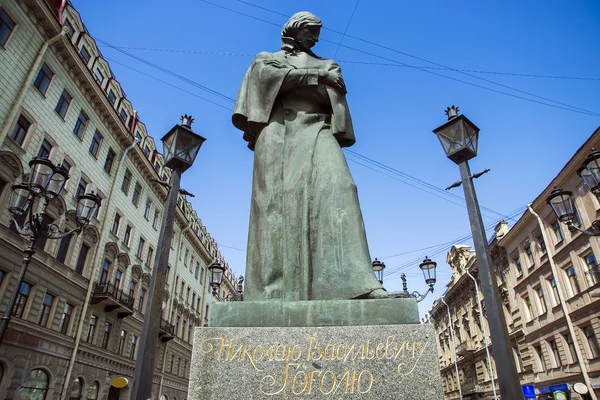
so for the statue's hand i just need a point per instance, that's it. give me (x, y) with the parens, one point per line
(275, 63)
(334, 80)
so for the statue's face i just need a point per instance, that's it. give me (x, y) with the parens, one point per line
(308, 36)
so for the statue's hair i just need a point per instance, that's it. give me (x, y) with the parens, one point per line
(298, 21)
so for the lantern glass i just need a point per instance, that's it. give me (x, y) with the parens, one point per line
(180, 147)
(57, 182)
(459, 138)
(592, 164)
(378, 268)
(216, 274)
(87, 205)
(428, 267)
(561, 202)
(19, 200)
(42, 170)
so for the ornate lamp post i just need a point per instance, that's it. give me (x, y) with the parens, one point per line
(181, 146)
(428, 268)
(29, 202)
(459, 139)
(561, 202)
(378, 268)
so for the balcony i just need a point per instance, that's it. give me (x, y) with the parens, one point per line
(113, 299)
(167, 331)
(472, 387)
(465, 348)
(593, 275)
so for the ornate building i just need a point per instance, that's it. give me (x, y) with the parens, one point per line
(75, 330)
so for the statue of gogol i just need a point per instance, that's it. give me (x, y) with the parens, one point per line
(307, 238)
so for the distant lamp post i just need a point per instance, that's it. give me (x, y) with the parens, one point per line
(216, 271)
(240, 287)
(378, 268)
(561, 202)
(459, 138)
(428, 268)
(180, 148)
(28, 202)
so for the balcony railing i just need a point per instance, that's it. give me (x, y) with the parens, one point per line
(167, 331)
(465, 348)
(113, 299)
(593, 275)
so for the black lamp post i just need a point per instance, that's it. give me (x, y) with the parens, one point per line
(459, 138)
(378, 268)
(29, 202)
(181, 146)
(561, 202)
(216, 272)
(428, 268)
(240, 288)
(590, 172)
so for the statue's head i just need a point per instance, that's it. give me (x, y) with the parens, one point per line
(304, 27)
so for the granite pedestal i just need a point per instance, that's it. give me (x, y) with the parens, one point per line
(365, 349)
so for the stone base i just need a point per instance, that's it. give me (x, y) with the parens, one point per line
(381, 362)
(314, 313)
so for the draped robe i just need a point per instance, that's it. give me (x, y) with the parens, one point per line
(306, 237)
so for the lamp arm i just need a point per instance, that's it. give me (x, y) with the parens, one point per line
(593, 230)
(420, 297)
(22, 230)
(53, 228)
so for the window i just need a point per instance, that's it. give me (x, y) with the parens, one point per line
(137, 189)
(126, 181)
(6, 26)
(593, 270)
(571, 346)
(155, 220)
(187, 296)
(185, 259)
(542, 244)
(198, 304)
(45, 149)
(104, 272)
(63, 248)
(21, 301)
(140, 248)
(70, 29)
(81, 186)
(555, 296)
(156, 167)
(111, 97)
(63, 104)
(555, 353)
(147, 209)
(541, 300)
(76, 388)
(91, 329)
(81, 259)
(141, 302)
(127, 236)
(592, 341)
(118, 276)
(35, 385)
(193, 303)
(557, 232)
(65, 320)
(46, 308)
(84, 54)
(116, 222)
(147, 151)
(196, 272)
(528, 308)
(80, 124)
(95, 145)
(106, 335)
(66, 165)
(20, 130)
(133, 344)
(123, 115)
(122, 339)
(541, 364)
(42, 81)
(530, 256)
(98, 76)
(132, 286)
(150, 255)
(177, 323)
(110, 158)
(573, 282)
(518, 266)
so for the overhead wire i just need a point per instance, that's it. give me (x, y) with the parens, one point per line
(347, 26)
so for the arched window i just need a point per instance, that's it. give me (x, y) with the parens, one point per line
(93, 391)
(76, 389)
(164, 397)
(35, 386)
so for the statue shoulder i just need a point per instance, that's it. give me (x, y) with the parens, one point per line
(265, 55)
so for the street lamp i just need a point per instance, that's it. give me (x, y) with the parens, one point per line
(180, 148)
(428, 268)
(215, 279)
(378, 268)
(561, 202)
(28, 203)
(240, 287)
(590, 172)
(459, 139)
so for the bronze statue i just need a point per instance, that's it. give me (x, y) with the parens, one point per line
(306, 238)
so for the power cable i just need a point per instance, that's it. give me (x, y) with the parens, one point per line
(347, 26)
(558, 105)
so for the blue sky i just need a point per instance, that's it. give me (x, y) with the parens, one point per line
(394, 106)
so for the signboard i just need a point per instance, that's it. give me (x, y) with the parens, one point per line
(563, 387)
(529, 391)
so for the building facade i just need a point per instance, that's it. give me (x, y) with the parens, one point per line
(78, 319)
(549, 281)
